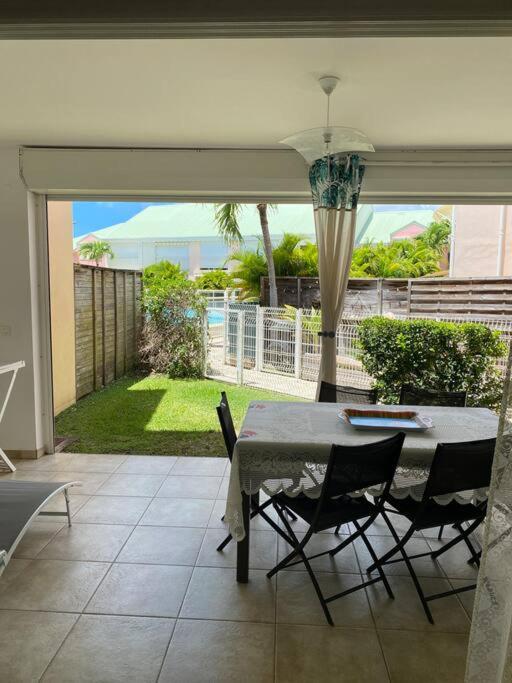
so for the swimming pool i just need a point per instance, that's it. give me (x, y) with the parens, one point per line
(215, 317)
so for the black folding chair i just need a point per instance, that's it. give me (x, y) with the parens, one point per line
(229, 434)
(336, 393)
(350, 469)
(412, 396)
(456, 467)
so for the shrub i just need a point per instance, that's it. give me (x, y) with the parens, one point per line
(172, 333)
(160, 277)
(432, 355)
(215, 279)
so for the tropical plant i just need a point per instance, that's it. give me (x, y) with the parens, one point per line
(172, 337)
(215, 279)
(226, 219)
(403, 258)
(95, 251)
(437, 235)
(292, 257)
(432, 354)
(159, 278)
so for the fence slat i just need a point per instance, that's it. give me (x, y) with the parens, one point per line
(105, 343)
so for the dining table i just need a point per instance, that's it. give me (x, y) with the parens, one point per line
(284, 446)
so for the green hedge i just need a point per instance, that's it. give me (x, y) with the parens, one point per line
(430, 354)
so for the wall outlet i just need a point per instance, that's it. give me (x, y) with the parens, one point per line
(5, 330)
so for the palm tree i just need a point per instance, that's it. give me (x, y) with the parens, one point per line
(94, 251)
(226, 219)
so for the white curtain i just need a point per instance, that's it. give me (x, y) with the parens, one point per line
(490, 645)
(335, 185)
(335, 233)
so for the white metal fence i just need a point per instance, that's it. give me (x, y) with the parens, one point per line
(279, 348)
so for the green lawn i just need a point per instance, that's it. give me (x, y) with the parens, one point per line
(155, 415)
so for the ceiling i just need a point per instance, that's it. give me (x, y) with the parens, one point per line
(413, 92)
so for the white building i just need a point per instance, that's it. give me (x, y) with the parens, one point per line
(186, 233)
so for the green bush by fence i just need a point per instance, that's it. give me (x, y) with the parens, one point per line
(432, 355)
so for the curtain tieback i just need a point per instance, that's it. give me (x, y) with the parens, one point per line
(327, 334)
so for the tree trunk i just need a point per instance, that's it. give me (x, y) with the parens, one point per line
(267, 246)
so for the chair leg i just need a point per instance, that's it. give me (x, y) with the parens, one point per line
(461, 537)
(68, 506)
(317, 588)
(299, 550)
(375, 559)
(400, 543)
(400, 548)
(440, 534)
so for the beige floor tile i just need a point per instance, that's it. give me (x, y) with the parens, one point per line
(298, 603)
(89, 462)
(213, 593)
(108, 649)
(424, 657)
(193, 512)
(47, 462)
(344, 561)
(468, 597)
(200, 466)
(329, 655)
(223, 491)
(423, 566)
(113, 510)
(455, 561)
(58, 504)
(257, 522)
(145, 590)
(215, 521)
(131, 485)
(90, 481)
(406, 611)
(263, 550)
(190, 486)
(147, 464)
(29, 641)
(54, 585)
(15, 567)
(28, 475)
(163, 545)
(88, 542)
(37, 536)
(206, 651)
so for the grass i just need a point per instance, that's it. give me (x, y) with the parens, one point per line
(155, 415)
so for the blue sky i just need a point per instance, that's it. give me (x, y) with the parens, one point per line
(90, 216)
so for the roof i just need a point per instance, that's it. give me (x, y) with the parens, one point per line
(384, 223)
(189, 221)
(196, 221)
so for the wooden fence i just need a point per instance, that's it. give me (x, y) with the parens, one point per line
(481, 297)
(107, 325)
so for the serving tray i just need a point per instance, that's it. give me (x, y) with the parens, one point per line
(380, 419)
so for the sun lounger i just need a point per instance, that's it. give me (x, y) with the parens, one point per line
(20, 503)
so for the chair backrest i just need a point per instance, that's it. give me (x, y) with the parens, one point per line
(352, 468)
(226, 424)
(336, 393)
(411, 396)
(460, 467)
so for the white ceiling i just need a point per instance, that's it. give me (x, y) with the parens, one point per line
(401, 91)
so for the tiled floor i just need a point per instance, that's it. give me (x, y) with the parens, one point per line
(135, 591)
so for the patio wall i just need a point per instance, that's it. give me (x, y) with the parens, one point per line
(107, 325)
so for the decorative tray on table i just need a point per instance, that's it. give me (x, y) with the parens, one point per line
(373, 418)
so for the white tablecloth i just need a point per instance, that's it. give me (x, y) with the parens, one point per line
(285, 446)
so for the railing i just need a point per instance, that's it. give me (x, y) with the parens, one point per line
(279, 349)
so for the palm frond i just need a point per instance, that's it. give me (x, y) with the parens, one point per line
(226, 220)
